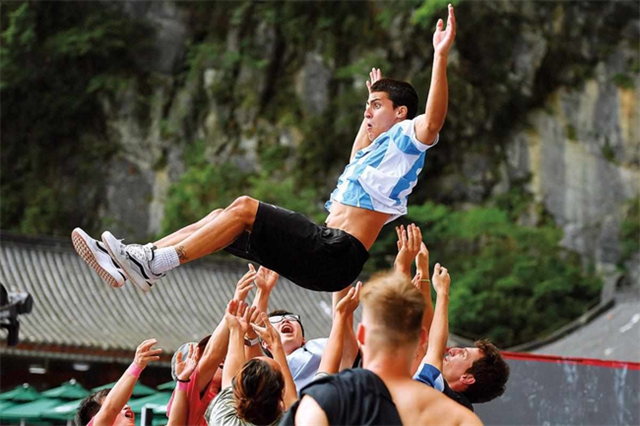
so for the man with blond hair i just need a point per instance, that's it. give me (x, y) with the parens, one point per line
(383, 392)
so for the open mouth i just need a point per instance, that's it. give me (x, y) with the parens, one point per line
(128, 413)
(286, 329)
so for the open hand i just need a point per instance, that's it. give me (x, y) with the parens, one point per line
(350, 301)
(267, 332)
(443, 39)
(237, 315)
(145, 353)
(184, 368)
(266, 279)
(374, 76)
(245, 284)
(409, 242)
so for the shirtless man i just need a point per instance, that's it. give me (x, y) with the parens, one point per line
(387, 156)
(383, 392)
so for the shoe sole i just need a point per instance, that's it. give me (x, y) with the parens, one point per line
(143, 288)
(82, 248)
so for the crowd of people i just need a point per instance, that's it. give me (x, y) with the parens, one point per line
(257, 368)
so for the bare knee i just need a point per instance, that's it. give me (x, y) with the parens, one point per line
(245, 209)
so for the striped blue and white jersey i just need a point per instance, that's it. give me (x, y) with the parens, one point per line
(381, 176)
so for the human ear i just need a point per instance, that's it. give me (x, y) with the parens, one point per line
(467, 379)
(360, 333)
(401, 112)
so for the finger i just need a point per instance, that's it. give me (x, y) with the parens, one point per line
(179, 357)
(356, 293)
(440, 24)
(153, 352)
(252, 268)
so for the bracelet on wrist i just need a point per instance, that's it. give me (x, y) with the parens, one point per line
(251, 342)
(182, 386)
(183, 381)
(134, 369)
(425, 280)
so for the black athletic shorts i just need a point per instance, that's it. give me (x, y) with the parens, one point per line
(312, 256)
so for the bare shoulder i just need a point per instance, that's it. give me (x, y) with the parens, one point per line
(437, 408)
(309, 412)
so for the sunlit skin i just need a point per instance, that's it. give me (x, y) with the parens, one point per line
(290, 335)
(455, 364)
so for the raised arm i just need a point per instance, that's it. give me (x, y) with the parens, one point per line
(439, 332)
(218, 344)
(234, 317)
(428, 125)
(408, 248)
(362, 139)
(271, 336)
(184, 370)
(121, 392)
(422, 268)
(333, 353)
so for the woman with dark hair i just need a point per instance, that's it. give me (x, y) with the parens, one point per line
(258, 391)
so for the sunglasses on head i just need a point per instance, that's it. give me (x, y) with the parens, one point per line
(279, 318)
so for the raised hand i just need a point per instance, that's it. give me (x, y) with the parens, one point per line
(374, 76)
(409, 242)
(441, 280)
(350, 301)
(184, 368)
(267, 332)
(443, 39)
(266, 279)
(234, 315)
(145, 353)
(245, 284)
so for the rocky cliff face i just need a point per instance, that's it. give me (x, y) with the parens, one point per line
(574, 141)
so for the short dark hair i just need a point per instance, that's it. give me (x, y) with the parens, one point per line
(400, 93)
(89, 407)
(283, 312)
(491, 373)
(257, 390)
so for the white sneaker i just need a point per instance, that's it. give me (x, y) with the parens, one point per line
(134, 259)
(97, 257)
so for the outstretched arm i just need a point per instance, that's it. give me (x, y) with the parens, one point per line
(121, 392)
(408, 248)
(362, 139)
(184, 370)
(236, 318)
(217, 345)
(428, 125)
(439, 332)
(333, 354)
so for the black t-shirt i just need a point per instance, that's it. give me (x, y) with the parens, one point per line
(352, 397)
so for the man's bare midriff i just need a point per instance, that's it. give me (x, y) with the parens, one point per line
(363, 224)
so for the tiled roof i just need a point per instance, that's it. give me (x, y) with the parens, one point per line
(75, 311)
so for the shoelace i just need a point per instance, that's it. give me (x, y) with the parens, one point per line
(139, 251)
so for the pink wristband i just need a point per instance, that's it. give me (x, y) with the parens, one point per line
(134, 369)
(182, 386)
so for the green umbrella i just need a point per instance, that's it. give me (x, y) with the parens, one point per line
(153, 401)
(167, 386)
(139, 390)
(22, 393)
(6, 404)
(67, 390)
(30, 411)
(65, 411)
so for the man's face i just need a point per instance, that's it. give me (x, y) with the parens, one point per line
(125, 417)
(381, 115)
(290, 332)
(457, 361)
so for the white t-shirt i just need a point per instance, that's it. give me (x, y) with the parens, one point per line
(381, 176)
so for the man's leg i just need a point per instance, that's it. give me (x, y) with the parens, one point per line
(145, 265)
(218, 233)
(183, 233)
